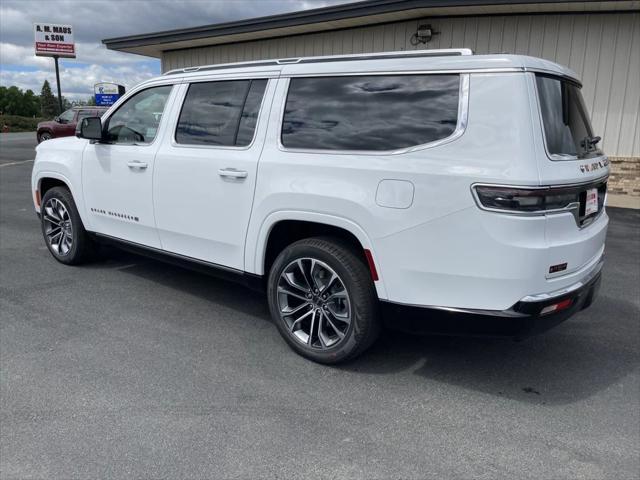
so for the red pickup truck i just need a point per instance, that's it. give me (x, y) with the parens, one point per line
(64, 125)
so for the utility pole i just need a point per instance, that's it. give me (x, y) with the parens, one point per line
(55, 57)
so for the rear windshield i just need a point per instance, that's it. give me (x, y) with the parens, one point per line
(566, 123)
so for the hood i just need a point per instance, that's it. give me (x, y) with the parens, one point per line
(62, 143)
(46, 123)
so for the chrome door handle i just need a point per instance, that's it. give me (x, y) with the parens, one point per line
(137, 165)
(232, 173)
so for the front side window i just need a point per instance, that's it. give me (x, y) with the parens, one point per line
(67, 116)
(138, 119)
(378, 112)
(222, 113)
(565, 119)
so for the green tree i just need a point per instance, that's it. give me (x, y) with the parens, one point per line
(48, 102)
(13, 101)
(3, 99)
(30, 104)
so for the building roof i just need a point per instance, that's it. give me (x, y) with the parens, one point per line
(345, 16)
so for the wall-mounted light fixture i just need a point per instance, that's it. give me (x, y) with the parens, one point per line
(424, 34)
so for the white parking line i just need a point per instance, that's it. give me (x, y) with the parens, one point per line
(14, 163)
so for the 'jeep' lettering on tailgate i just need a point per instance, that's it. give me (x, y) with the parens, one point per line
(592, 167)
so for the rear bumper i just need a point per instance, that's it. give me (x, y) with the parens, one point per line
(524, 319)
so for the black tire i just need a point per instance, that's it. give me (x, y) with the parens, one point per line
(354, 275)
(82, 247)
(44, 136)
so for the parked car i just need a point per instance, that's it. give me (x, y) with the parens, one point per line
(438, 185)
(64, 125)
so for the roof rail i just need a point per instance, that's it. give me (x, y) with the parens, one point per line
(445, 52)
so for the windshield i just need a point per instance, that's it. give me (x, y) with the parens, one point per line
(566, 123)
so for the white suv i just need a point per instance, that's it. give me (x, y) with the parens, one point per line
(432, 189)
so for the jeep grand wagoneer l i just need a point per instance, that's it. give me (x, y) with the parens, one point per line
(437, 184)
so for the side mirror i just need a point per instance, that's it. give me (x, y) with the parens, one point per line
(56, 119)
(90, 128)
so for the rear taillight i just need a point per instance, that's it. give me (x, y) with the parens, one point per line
(526, 200)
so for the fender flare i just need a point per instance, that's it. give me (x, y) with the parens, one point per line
(77, 197)
(256, 248)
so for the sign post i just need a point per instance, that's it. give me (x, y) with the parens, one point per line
(55, 58)
(52, 40)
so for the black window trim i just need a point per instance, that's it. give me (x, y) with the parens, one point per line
(187, 83)
(556, 157)
(461, 125)
(123, 100)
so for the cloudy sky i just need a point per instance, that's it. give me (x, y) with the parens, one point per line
(94, 20)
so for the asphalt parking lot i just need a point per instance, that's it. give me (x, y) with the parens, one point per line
(131, 368)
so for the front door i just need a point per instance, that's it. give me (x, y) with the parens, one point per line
(117, 175)
(66, 124)
(206, 169)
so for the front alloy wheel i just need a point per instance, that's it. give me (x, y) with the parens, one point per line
(58, 227)
(62, 228)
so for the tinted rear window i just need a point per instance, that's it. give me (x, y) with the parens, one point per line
(378, 112)
(565, 119)
(85, 113)
(220, 113)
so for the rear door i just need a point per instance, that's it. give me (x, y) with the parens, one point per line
(570, 157)
(206, 169)
(570, 150)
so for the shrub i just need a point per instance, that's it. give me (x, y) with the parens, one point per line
(15, 123)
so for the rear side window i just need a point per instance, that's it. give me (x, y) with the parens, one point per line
(84, 114)
(378, 112)
(220, 113)
(565, 119)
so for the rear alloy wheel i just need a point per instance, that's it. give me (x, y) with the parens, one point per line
(314, 303)
(323, 300)
(62, 228)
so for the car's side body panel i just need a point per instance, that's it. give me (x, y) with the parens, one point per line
(414, 209)
(202, 211)
(61, 161)
(117, 184)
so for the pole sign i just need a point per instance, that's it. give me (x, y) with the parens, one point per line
(52, 40)
(107, 93)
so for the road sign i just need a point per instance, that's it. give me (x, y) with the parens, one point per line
(107, 93)
(52, 40)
